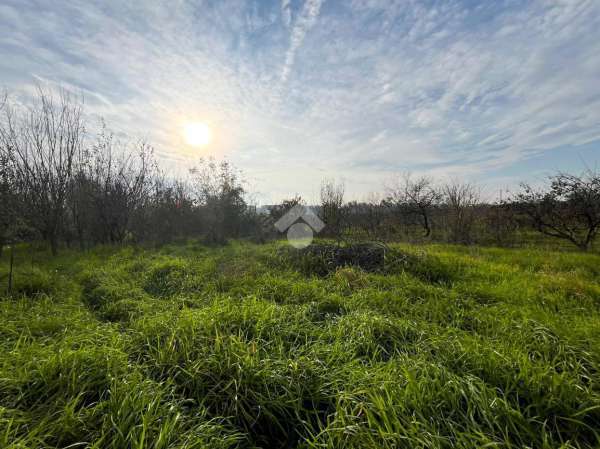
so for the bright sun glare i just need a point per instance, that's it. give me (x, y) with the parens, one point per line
(197, 134)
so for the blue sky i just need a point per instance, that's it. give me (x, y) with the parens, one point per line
(299, 90)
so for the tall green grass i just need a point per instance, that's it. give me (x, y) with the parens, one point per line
(241, 347)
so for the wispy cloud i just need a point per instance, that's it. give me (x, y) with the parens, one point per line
(306, 20)
(286, 12)
(297, 90)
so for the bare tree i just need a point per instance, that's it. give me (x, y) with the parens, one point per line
(42, 143)
(332, 211)
(461, 200)
(415, 197)
(365, 218)
(500, 221)
(374, 215)
(7, 188)
(82, 213)
(568, 210)
(121, 185)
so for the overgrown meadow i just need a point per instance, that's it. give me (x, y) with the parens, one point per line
(244, 346)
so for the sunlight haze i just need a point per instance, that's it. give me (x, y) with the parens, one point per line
(197, 134)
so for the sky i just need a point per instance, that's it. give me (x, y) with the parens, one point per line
(295, 91)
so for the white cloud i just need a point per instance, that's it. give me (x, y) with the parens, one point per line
(306, 20)
(348, 89)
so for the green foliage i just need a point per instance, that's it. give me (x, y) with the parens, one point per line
(240, 347)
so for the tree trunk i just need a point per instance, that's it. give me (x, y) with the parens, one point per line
(426, 225)
(53, 245)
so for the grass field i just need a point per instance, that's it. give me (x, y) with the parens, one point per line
(195, 347)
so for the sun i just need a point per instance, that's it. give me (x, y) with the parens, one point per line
(197, 134)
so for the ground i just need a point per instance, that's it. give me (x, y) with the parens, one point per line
(243, 346)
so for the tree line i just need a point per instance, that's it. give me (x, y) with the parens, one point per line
(63, 186)
(566, 207)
